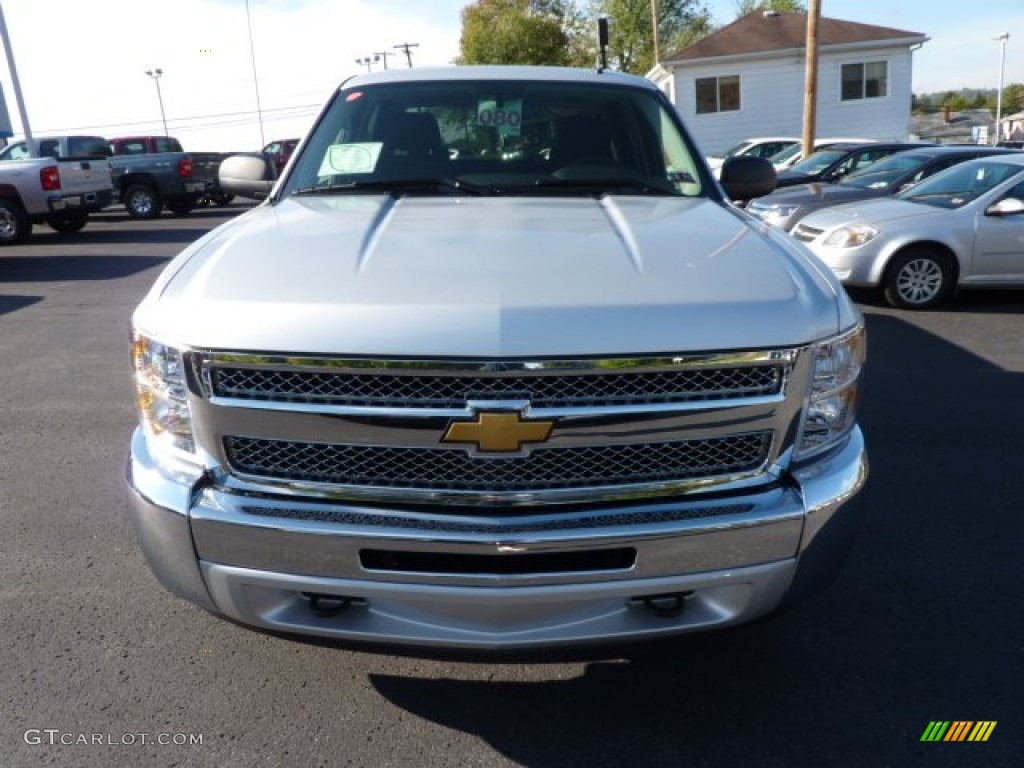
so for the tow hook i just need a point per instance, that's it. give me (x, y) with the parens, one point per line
(667, 606)
(330, 605)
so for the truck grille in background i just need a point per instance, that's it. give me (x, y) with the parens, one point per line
(455, 470)
(549, 389)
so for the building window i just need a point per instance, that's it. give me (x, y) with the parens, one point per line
(718, 94)
(865, 81)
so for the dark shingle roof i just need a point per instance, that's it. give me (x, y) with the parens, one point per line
(760, 33)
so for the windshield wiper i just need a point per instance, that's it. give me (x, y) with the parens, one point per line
(396, 186)
(605, 186)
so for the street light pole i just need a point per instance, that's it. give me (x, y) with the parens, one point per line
(999, 94)
(255, 79)
(156, 74)
(16, 83)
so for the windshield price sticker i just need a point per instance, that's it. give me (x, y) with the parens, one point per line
(507, 118)
(351, 158)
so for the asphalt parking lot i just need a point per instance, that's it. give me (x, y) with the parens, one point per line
(99, 665)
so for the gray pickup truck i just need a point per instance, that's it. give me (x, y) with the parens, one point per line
(153, 172)
(53, 182)
(496, 365)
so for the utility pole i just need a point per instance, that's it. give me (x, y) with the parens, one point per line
(654, 31)
(811, 77)
(16, 83)
(406, 47)
(383, 55)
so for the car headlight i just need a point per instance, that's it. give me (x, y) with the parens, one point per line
(161, 395)
(830, 413)
(851, 237)
(779, 212)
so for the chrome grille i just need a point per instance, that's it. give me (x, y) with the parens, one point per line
(455, 470)
(549, 389)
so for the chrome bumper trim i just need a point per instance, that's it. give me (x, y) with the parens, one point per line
(679, 543)
(496, 618)
(736, 557)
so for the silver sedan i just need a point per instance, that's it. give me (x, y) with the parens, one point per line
(961, 227)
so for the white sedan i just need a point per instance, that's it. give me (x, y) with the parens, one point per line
(762, 146)
(961, 227)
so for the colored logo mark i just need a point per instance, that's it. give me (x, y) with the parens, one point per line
(959, 730)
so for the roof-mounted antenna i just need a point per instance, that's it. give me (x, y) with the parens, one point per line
(602, 42)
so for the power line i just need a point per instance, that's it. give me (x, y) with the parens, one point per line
(178, 122)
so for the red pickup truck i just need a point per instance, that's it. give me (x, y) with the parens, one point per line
(144, 145)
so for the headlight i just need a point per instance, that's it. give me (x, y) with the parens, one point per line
(831, 407)
(161, 395)
(850, 237)
(772, 212)
(780, 211)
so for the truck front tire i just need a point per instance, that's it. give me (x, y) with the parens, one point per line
(142, 201)
(15, 226)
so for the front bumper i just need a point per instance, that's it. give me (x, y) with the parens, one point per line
(860, 267)
(504, 582)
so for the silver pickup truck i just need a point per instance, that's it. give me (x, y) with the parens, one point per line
(44, 187)
(496, 365)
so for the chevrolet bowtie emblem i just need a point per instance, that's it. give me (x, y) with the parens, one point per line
(503, 432)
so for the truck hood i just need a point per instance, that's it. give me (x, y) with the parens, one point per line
(493, 277)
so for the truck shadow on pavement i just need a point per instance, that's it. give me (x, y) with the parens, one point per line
(922, 624)
(41, 269)
(97, 235)
(993, 301)
(10, 304)
(120, 216)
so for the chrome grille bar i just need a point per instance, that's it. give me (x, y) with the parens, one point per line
(455, 470)
(546, 384)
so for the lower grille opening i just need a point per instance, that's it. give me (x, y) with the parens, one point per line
(619, 559)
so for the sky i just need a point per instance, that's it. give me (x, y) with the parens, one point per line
(82, 65)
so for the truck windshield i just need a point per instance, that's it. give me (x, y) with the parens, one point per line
(498, 137)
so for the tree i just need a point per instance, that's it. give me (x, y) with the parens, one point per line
(515, 32)
(1013, 98)
(954, 101)
(749, 6)
(631, 40)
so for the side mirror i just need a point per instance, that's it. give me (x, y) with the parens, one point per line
(746, 177)
(1005, 207)
(249, 174)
